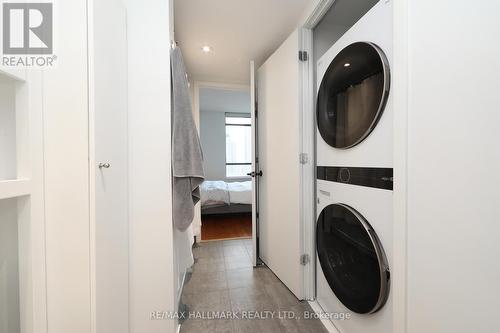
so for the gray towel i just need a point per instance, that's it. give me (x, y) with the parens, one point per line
(187, 157)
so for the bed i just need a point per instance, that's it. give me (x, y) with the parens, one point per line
(220, 197)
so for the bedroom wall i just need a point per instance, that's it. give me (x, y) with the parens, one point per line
(213, 142)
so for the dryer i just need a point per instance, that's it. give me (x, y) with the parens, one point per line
(354, 149)
(354, 105)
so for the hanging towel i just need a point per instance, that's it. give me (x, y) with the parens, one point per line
(187, 157)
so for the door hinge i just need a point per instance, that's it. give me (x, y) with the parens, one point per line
(304, 259)
(303, 158)
(257, 215)
(303, 56)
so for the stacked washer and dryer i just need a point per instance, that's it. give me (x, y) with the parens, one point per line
(355, 175)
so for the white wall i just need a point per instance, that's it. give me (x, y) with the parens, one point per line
(453, 165)
(151, 245)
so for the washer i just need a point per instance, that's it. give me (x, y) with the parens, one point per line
(354, 105)
(354, 246)
(355, 176)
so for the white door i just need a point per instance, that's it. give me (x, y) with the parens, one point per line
(108, 68)
(255, 180)
(279, 145)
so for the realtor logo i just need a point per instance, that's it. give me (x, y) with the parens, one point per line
(27, 28)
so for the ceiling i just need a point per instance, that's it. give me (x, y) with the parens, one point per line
(227, 101)
(237, 30)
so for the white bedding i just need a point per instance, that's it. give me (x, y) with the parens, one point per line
(219, 192)
(240, 192)
(214, 193)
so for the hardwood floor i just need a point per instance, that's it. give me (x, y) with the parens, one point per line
(226, 227)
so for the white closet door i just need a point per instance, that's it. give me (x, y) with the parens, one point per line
(108, 59)
(279, 148)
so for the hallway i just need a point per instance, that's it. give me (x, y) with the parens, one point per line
(224, 280)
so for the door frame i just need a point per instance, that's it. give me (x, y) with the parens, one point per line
(255, 163)
(308, 145)
(197, 86)
(307, 159)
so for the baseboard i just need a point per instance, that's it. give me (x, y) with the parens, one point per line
(224, 239)
(187, 273)
(327, 323)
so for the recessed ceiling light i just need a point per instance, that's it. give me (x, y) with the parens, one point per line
(347, 64)
(206, 49)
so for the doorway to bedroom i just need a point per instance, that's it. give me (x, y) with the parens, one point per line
(226, 138)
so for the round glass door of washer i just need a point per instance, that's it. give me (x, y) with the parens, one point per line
(352, 95)
(352, 259)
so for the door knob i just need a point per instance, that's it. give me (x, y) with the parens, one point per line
(253, 173)
(104, 165)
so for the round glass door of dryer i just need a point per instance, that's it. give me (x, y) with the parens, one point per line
(352, 259)
(352, 95)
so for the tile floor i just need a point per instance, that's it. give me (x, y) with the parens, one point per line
(223, 280)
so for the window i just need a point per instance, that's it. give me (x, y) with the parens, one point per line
(238, 145)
